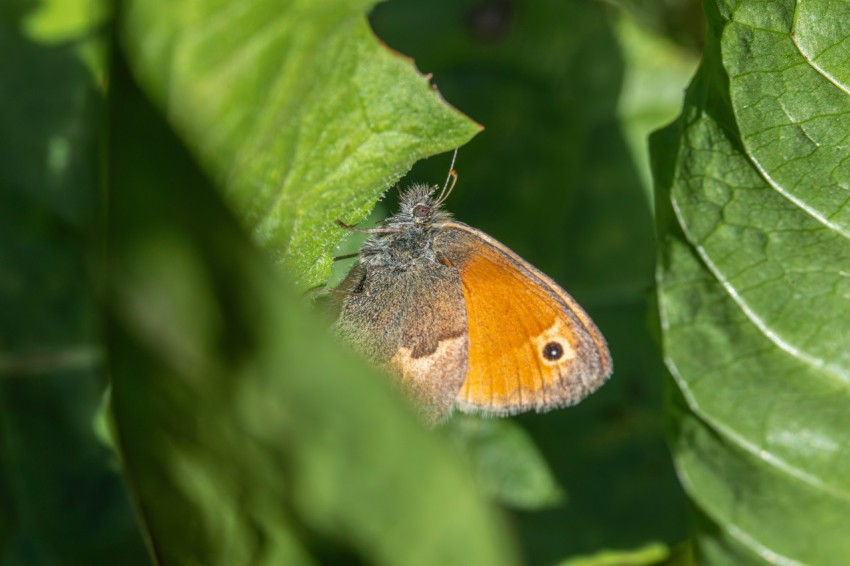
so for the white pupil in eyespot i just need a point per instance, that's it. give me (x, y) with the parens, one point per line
(553, 351)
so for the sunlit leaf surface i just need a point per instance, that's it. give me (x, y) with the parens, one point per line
(296, 109)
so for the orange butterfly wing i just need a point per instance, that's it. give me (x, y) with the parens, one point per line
(531, 346)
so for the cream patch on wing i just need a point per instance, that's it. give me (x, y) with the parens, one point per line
(441, 360)
(435, 379)
(555, 334)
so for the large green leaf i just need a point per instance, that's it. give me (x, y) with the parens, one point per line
(295, 109)
(249, 435)
(62, 500)
(755, 295)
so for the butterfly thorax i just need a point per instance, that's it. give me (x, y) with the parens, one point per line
(412, 240)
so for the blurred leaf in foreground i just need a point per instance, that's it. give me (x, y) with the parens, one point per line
(652, 554)
(248, 435)
(61, 499)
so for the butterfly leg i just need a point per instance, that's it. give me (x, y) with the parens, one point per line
(350, 228)
(320, 290)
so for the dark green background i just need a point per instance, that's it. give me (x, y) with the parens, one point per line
(552, 178)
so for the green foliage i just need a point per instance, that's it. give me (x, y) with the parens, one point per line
(165, 200)
(248, 436)
(507, 464)
(297, 111)
(650, 554)
(60, 494)
(752, 184)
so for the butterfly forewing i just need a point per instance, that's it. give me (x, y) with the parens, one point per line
(531, 347)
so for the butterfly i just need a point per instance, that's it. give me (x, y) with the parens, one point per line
(461, 321)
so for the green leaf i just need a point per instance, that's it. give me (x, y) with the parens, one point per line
(754, 290)
(792, 118)
(653, 553)
(507, 465)
(62, 500)
(296, 110)
(654, 74)
(249, 435)
(821, 36)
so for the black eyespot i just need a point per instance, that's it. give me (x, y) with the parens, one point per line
(553, 351)
(421, 210)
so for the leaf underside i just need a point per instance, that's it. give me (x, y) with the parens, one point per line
(753, 190)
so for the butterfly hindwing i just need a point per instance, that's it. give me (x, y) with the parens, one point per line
(413, 323)
(531, 347)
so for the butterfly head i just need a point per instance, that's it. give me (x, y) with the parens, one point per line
(420, 207)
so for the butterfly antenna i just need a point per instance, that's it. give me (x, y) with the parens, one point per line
(451, 181)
